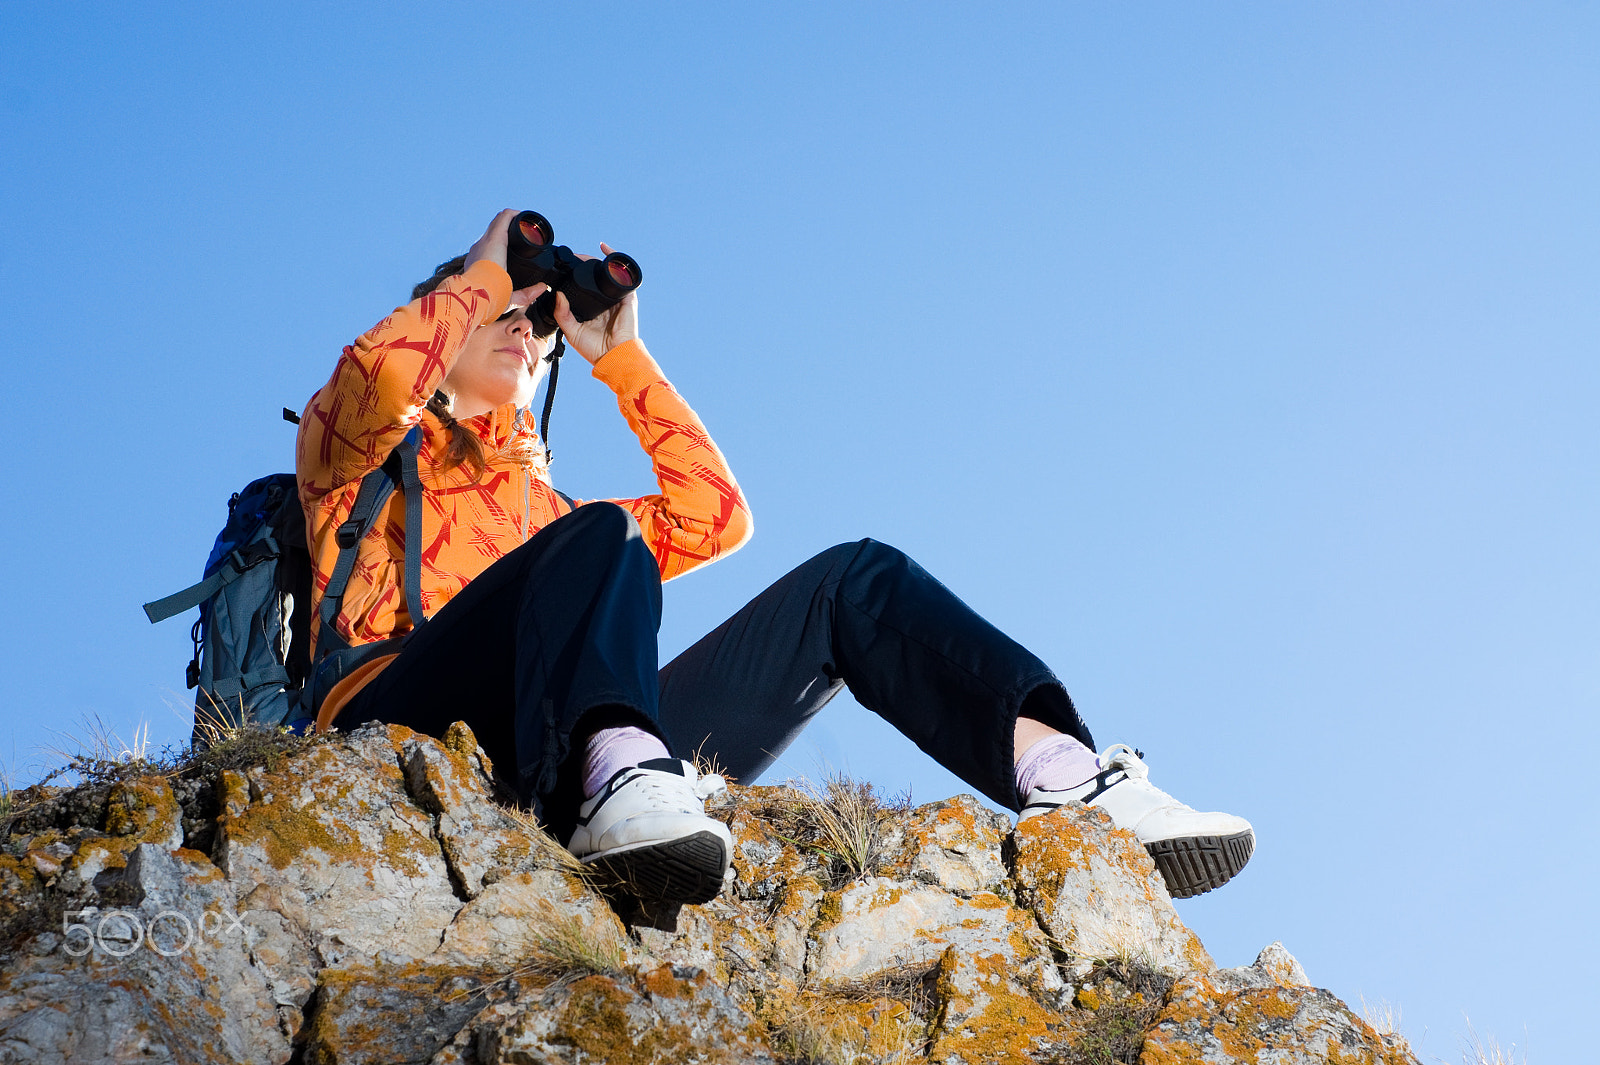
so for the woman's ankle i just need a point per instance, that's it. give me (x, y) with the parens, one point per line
(1056, 763)
(612, 749)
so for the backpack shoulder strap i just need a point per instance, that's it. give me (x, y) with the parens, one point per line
(411, 485)
(400, 468)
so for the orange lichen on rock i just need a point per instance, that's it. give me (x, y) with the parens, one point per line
(983, 1018)
(143, 807)
(362, 1012)
(286, 830)
(829, 912)
(1203, 1023)
(829, 1025)
(1096, 891)
(604, 1019)
(317, 802)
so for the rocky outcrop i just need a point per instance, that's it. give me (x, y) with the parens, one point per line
(365, 899)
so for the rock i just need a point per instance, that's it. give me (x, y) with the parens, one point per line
(365, 898)
(338, 836)
(1276, 960)
(145, 809)
(510, 921)
(480, 840)
(391, 1015)
(165, 974)
(763, 861)
(884, 924)
(1097, 892)
(1274, 967)
(280, 946)
(955, 845)
(664, 1016)
(93, 833)
(756, 948)
(985, 1016)
(459, 738)
(1286, 1025)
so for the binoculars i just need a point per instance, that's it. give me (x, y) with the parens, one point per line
(592, 286)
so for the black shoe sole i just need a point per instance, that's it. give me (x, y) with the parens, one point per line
(687, 870)
(1194, 865)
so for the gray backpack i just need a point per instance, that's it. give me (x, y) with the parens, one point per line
(251, 662)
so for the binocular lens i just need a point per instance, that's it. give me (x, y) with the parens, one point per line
(532, 229)
(621, 272)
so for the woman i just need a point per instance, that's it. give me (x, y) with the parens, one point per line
(542, 616)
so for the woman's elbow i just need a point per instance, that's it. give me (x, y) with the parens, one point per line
(739, 528)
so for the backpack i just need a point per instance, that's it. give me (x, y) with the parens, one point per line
(251, 664)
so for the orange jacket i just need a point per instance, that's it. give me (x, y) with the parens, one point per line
(379, 390)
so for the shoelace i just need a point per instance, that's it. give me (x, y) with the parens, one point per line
(1127, 759)
(1121, 756)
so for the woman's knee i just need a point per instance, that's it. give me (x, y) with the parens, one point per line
(606, 519)
(594, 537)
(866, 551)
(602, 528)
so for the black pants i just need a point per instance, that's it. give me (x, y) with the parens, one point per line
(559, 638)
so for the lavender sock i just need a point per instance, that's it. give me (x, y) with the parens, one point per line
(1057, 763)
(612, 749)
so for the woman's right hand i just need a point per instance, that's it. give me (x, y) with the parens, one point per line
(492, 246)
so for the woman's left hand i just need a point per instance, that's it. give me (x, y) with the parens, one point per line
(597, 336)
(492, 246)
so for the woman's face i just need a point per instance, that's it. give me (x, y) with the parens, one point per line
(502, 362)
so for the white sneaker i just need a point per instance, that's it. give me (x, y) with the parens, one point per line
(648, 829)
(1195, 851)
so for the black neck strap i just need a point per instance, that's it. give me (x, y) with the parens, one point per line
(550, 395)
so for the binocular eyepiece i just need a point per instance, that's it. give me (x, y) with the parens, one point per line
(592, 286)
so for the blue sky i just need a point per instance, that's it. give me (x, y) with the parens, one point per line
(1238, 359)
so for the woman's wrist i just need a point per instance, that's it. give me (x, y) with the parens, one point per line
(618, 346)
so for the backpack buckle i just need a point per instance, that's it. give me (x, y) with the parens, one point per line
(258, 551)
(348, 534)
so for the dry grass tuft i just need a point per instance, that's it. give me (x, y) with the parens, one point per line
(216, 723)
(1384, 1018)
(812, 1037)
(844, 821)
(565, 946)
(1121, 941)
(707, 764)
(242, 747)
(911, 984)
(1486, 1050)
(564, 949)
(855, 1021)
(94, 753)
(94, 756)
(550, 853)
(1120, 1001)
